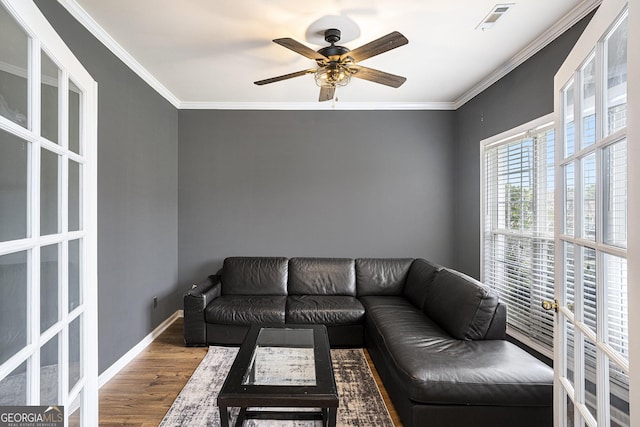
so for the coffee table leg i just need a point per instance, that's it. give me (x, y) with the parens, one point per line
(242, 415)
(330, 416)
(224, 416)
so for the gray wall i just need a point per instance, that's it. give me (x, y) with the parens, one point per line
(313, 183)
(292, 183)
(137, 194)
(521, 96)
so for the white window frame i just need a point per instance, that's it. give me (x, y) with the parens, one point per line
(504, 138)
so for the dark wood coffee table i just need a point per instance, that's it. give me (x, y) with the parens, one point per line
(284, 367)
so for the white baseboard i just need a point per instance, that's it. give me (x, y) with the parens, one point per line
(137, 349)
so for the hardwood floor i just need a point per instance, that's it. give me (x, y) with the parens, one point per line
(141, 393)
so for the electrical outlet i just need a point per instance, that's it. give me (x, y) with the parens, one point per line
(155, 302)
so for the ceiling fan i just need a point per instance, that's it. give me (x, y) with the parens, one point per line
(337, 64)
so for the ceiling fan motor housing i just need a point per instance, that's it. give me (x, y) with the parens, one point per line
(332, 36)
(333, 50)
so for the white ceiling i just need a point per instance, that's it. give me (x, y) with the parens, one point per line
(207, 54)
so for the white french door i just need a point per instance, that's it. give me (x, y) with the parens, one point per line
(591, 343)
(48, 279)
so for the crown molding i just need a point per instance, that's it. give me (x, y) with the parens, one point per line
(568, 21)
(101, 34)
(575, 15)
(316, 106)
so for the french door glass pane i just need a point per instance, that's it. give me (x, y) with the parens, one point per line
(49, 98)
(617, 303)
(569, 276)
(589, 197)
(570, 353)
(569, 123)
(590, 392)
(49, 294)
(570, 413)
(13, 304)
(74, 196)
(49, 194)
(588, 102)
(589, 296)
(74, 275)
(75, 343)
(616, 78)
(49, 372)
(570, 198)
(13, 76)
(14, 156)
(618, 396)
(74, 118)
(614, 159)
(545, 178)
(76, 415)
(13, 388)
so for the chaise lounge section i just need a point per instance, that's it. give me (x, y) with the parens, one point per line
(440, 350)
(436, 336)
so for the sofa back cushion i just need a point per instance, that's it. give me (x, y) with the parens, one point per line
(461, 305)
(420, 277)
(254, 276)
(322, 276)
(381, 276)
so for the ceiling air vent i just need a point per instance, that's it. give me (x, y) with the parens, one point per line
(492, 17)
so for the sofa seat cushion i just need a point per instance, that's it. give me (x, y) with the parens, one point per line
(438, 369)
(324, 309)
(245, 310)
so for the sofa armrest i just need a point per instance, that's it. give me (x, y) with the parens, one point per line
(498, 327)
(195, 302)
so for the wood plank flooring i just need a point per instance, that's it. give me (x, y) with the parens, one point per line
(142, 393)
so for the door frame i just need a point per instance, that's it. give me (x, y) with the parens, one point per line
(633, 204)
(42, 34)
(607, 14)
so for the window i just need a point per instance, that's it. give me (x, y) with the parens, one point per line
(518, 227)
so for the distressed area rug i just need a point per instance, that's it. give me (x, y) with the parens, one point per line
(361, 404)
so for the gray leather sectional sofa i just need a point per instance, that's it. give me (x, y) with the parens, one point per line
(436, 336)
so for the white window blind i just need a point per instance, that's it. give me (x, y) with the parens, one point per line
(518, 239)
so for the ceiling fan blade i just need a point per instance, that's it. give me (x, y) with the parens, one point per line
(326, 93)
(285, 77)
(376, 76)
(298, 47)
(376, 47)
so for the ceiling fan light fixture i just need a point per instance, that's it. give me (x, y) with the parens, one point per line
(332, 76)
